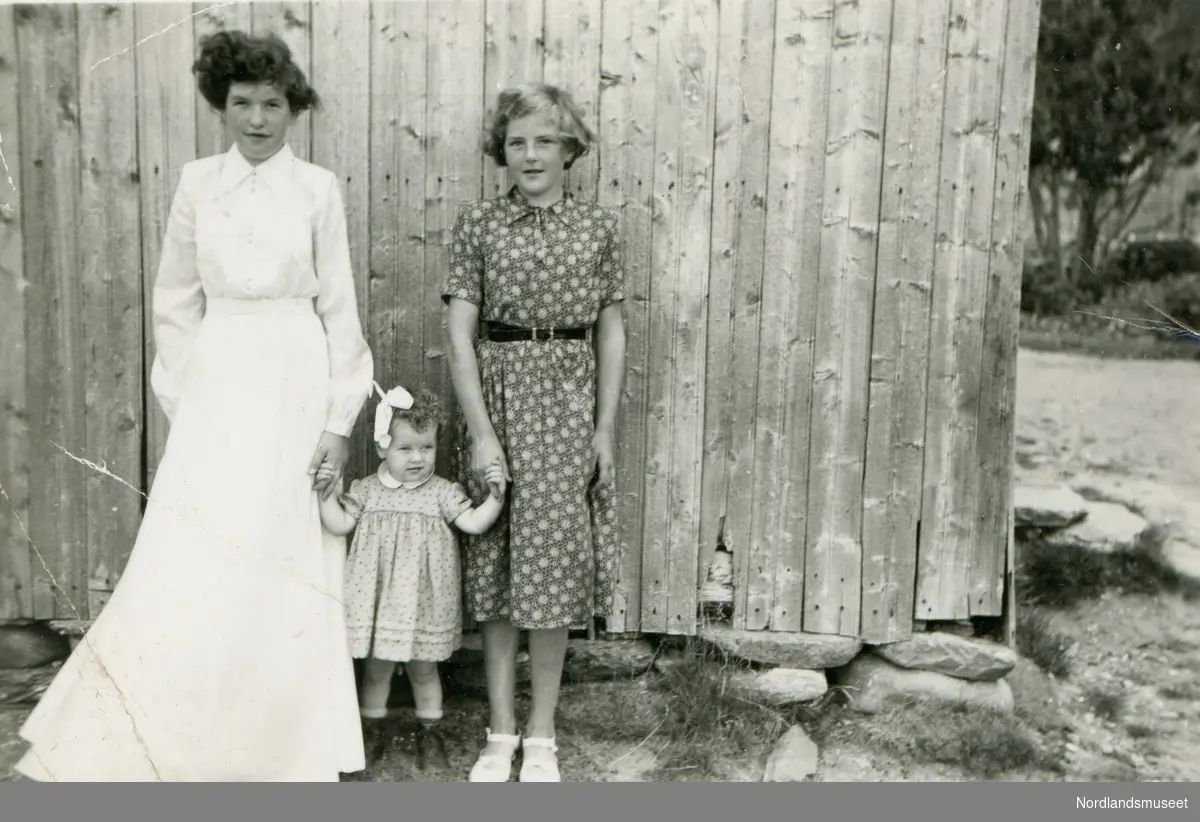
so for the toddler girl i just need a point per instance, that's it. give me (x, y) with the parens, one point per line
(403, 600)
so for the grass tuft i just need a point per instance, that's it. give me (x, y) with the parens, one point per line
(1057, 576)
(1041, 644)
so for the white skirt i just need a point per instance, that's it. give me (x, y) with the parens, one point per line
(222, 655)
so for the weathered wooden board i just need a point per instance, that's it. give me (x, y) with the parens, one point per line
(168, 137)
(737, 263)
(628, 107)
(111, 292)
(16, 557)
(951, 483)
(899, 359)
(997, 390)
(48, 55)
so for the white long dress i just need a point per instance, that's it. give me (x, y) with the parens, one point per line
(222, 654)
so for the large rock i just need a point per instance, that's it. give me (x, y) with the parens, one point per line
(30, 643)
(873, 683)
(1108, 527)
(600, 659)
(780, 686)
(789, 650)
(794, 758)
(965, 658)
(1054, 506)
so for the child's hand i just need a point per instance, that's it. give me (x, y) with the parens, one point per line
(325, 473)
(495, 481)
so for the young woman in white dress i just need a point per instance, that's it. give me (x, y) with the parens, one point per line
(222, 654)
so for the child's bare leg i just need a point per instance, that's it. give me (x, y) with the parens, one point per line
(427, 694)
(427, 690)
(375, 688)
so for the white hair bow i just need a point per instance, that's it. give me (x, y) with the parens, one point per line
(396, 398)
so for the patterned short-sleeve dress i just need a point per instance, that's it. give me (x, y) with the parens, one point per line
(403, 577)
(551, 559)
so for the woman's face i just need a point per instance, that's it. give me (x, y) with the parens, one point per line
(536, 158)
(412, 455)
(257, 118)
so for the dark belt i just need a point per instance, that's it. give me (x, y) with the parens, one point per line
(499, 332)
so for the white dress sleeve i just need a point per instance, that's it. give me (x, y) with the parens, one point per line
(351, 365)
(177, 302)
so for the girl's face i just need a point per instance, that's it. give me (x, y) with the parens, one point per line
(536, 157)
(412, 454)
(257, 117)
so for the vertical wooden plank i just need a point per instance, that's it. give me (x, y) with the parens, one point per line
(997, 400)
(397, 322)
(959, 297)
(48, 57)
(111, 290)
(795, 174)
(692, 29)
(514, 43)
(628, 102)
(899, 359)
(292, 22)
(341, 142)
(209, 18)
(743, 117)
(572, 62)
(831, 593)
(166, 140)
(16, 569)
(454, 119)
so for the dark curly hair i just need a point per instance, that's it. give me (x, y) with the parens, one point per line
(522, 101)
(229, 57)
(427, 409)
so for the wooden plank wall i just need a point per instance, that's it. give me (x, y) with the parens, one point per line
(820, 203)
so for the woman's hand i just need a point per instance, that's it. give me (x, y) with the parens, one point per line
(486, 453)
(496, 481)
(604, 460)
(332, 453)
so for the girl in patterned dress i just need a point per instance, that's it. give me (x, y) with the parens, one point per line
(403, 602)
(538, 396)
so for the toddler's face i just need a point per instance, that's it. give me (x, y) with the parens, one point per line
(412, 455)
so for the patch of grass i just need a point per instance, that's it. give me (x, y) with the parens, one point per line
(984, 743)
(1040, 643)
(688, 716)
(1105, 704)
(1061, 576)
(1138, 730)
(1182, 691)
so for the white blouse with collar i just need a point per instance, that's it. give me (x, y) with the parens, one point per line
(272, 231)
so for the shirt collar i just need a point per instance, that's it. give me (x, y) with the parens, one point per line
(519, 207)
(275, 169)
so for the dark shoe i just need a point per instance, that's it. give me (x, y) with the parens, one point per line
(431, 749)
(375, 740)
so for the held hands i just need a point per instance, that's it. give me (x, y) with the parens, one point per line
(496, 481)
(328, 462)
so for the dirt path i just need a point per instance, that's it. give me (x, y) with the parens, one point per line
(1129, 429)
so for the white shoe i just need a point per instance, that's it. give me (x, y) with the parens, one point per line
(539, 770)
(495, 767)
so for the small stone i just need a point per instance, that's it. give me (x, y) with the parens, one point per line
(1108, 527)
(872, 683)
(1106, 749)
(781, 686)
(965, 658)
(1053, 506)
(1072, 747)
(794, 758)
(789, 650)
(30, 643)
(591, 660)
